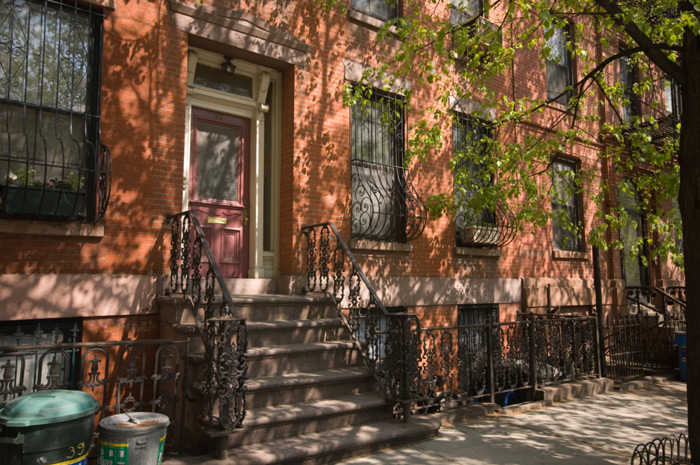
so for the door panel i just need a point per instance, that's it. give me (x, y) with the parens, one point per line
(219, 186)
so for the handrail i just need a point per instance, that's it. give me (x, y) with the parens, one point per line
(224, 334)
(652, 292)
(388, 341)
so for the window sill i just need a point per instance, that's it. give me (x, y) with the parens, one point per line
(378, 246)
(569, 255)
(48, 228)
(476, 252)
(367, 20)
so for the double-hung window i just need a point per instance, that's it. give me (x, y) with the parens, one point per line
(566, 211)
(559, 69)
(630, 101)
(380, 9)
(378, 177)
(471, 139)
(52, 165)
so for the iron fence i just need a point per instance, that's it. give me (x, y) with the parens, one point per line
(669, 450)
(424, 369)
(124, 377)
(503, 362)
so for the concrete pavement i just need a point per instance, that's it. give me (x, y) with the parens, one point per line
(603, 429)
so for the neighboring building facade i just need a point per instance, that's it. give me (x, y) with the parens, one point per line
(116, 114)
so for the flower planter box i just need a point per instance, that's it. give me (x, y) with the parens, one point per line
(31, 202)
(483, 235)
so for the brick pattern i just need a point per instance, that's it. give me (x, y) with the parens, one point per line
(143, 122)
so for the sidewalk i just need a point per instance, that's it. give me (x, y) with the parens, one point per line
(595, 430)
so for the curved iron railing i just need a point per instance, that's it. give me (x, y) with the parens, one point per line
(489, 229)
(387, 340)
(223, 333)
(385, 205)
(667, 302)
(669, 450)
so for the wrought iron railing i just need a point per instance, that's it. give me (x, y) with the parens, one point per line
(669, 450)
(422, 368)
(501, 362)
(667, 302)
(638, 345)
(53, 165)
(489, 229)
(385, 205)
(382, 336)
(128, 376)
(223, 333)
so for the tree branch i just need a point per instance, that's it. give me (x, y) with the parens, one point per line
(652, 51)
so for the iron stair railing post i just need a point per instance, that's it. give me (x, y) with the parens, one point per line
(533, 352)
(600, 329)
(491, 361)
(224, 384)
(356, 278)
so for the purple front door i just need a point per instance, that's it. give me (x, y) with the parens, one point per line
(219, 186)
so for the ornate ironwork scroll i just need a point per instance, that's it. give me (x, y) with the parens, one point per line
(144, 375)
(223, 334)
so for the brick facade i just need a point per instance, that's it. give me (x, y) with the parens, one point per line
(144, 108)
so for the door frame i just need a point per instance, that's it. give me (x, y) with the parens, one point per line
(262, 263)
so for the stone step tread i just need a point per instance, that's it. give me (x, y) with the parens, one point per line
(265, 299)
(289, 413)
(293, 324)
(290, 380)
(336, 444)
(274, 325)
(288, 349)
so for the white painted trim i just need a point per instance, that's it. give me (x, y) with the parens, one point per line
(252, 109)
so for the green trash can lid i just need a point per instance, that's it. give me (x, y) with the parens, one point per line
(45, 407)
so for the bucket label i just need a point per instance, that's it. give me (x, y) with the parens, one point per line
(83, 460)
(161, 444)
(113, 454)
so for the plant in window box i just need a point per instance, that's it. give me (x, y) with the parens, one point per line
(25, 196)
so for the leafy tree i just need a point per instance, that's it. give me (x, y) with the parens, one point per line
(630, 58)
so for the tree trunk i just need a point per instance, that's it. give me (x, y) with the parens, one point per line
(689, 201)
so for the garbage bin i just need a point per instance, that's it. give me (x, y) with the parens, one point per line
(680, 340)
(48, 427)
(132, 439)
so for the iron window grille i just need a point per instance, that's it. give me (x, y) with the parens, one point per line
(52, 164)
(559, 68)
(472, 140)
(380, 9)
(566, 210)
(465, 11)
(633, 270)
(630, 100)
(384, 204)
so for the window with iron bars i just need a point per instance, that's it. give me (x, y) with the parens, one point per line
(566, 206)
(380, 9)
(378, 177)
(559, 66)
(471, 138)
(52, 164)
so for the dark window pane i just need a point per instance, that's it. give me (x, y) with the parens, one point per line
(380, 9)
(378, 179)
(565, 206)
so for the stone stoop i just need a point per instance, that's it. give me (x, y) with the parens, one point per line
(309, 396)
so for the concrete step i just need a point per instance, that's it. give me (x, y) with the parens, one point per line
(174, 309)
(306, 387)
(285, 420)
(297, 358)
(326, 446)
(265, 333)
